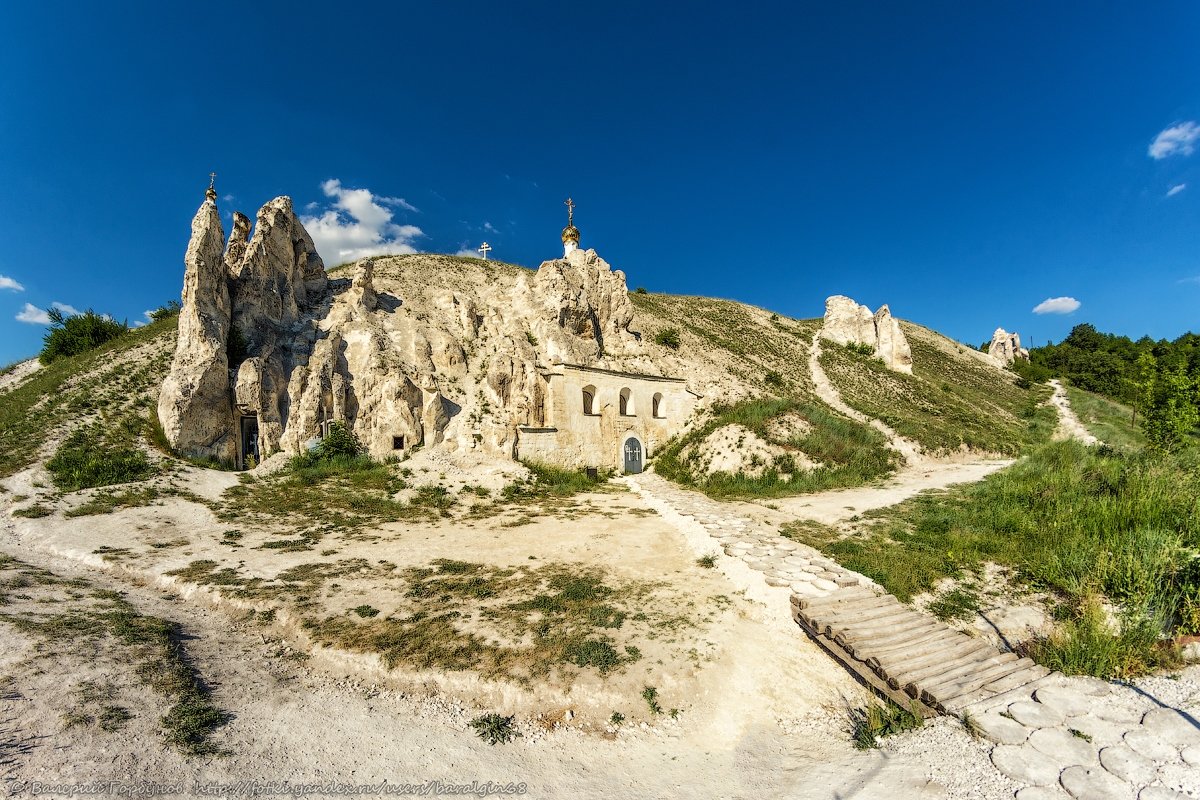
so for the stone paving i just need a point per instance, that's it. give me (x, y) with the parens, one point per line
(1092, 740)
(1059, 736)
(782, 562)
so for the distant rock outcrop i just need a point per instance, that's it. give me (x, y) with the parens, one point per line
(1006, 347)
(847, 322)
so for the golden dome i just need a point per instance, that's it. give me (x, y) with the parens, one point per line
(570, 234)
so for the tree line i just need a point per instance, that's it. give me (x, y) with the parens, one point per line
(1159, 380)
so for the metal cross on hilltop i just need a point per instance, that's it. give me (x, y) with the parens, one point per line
(484, 248)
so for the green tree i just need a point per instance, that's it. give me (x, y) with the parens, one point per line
(78, 333)
(1174, 408)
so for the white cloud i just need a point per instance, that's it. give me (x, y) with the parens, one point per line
(1176, 189)
(1193, 279)
(8, 283)
(1177, 140)
(148, 319)
(33, 315)
(40, 316)
(1057, 305)
(487, 226)
(359, 224)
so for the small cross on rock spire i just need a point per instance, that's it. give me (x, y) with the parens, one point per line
(211, 192)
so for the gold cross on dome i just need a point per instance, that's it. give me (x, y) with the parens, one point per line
(570, 204)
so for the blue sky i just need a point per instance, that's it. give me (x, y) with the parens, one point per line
(963, 162)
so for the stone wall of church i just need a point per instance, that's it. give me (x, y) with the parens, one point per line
(580, 433)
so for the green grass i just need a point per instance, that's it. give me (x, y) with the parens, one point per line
(851, 453)
(948, 402)
(549, 482)
(108, 502)
(870, 724)
(555, 619)
(552, 616)
(1079, 522)
(100, 455)
(955, 604)
(345, 493)
(1107, 420)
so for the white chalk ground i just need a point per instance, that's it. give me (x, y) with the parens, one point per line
(765, 718)
(21, 371)
(1069, 426)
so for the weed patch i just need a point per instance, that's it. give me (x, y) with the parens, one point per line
(850, 453)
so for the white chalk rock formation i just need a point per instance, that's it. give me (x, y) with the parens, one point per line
(194, 404)
(454, 356)
(1006, 347)
(847, 322)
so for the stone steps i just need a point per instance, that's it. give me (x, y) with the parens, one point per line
(907, 656)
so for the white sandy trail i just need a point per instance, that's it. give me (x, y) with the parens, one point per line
(1069, 426)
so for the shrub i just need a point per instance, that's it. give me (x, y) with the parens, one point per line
(668, 337)
(650, 695)
(640, 290)
(495, 729)
(340, 442)
(861, 348)
(71, 335)
(773, 378)
(169, 309)
(83, 461)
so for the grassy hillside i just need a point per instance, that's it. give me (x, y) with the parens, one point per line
(953, 398)
(114, 389)
(1107, 420)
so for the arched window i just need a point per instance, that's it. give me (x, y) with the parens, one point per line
(627, 403)
(589, 399)
(656, 406)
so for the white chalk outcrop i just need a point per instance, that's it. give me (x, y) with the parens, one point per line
(454, 356)
(1006, 347)
(193, 405)
(847, 322)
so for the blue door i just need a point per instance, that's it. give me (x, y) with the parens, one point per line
(633, 456)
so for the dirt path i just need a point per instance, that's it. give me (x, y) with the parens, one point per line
(842, 504)
(1069, 426)
(829, 393)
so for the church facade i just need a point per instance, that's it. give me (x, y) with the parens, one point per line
(605, 419)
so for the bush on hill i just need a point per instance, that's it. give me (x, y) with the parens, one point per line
(78, 333)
